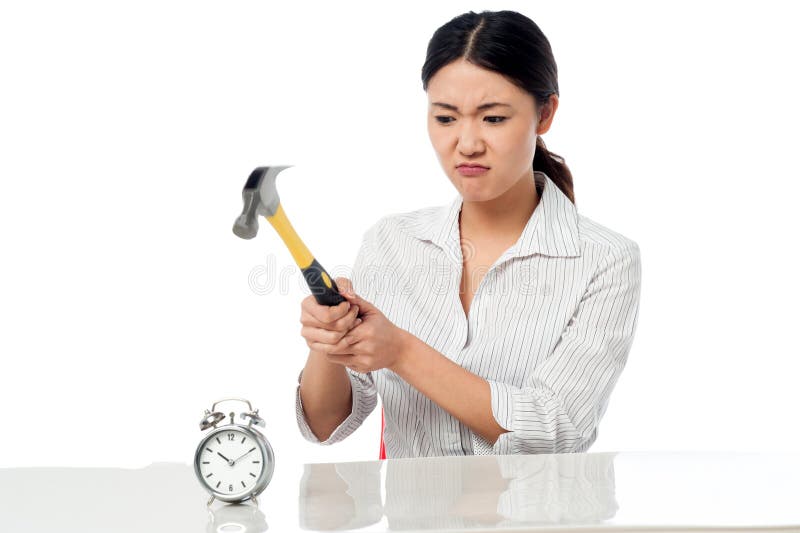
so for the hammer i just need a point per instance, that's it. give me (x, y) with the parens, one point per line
(261, 198)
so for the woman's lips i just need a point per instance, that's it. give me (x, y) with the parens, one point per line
(471, 171)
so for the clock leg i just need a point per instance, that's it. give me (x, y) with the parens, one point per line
(210, 500)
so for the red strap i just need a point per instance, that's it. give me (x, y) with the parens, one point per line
(383, 448)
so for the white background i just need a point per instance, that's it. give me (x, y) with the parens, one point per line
(128, 129)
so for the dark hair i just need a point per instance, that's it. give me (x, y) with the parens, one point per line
(511, 44)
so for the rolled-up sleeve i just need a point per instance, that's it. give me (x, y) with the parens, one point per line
(362, 384)
(559, 406)
(364, 402)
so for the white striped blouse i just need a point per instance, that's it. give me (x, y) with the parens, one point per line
(549, 327)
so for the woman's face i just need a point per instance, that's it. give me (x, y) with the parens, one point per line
(501, 137)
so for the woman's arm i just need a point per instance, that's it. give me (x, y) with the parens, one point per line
(559, 406)
(333, 402)
(325, 394)
(464, 395)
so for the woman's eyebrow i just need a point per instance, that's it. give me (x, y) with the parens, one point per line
(480, 107)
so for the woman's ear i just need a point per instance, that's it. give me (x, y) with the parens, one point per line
(546, 114)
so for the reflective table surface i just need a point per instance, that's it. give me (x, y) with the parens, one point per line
(625, 491)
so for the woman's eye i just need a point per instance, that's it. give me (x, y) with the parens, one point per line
(444, 119)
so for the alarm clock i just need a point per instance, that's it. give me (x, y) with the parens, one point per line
(233, 462)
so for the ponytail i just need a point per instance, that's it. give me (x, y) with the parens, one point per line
(553, 165)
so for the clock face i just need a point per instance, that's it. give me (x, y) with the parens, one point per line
(230, 462)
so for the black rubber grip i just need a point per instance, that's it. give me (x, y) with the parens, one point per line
(322, 293)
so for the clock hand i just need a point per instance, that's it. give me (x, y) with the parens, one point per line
(226, 459)
(245, 453)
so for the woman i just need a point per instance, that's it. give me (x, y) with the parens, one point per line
(525, 359)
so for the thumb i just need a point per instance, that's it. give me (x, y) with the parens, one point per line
(346, 289)
(364, 306)
(344, 285)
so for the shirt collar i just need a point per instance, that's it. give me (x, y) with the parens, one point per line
(552, 228)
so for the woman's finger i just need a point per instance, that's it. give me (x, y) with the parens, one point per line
(343, 324)
(323, 336)
(324, 315)
(327, 348)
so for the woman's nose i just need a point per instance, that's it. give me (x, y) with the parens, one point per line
(469, 140)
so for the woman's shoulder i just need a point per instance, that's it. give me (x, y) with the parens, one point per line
(417, 222)
(599, 236)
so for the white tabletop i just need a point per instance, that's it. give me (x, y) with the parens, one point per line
(652, 491)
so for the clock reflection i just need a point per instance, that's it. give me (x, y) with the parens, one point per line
(235, 518)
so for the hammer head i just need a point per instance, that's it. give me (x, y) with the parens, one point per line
(260, 197)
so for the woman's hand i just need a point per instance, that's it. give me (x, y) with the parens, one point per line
(372, 344)
(324, 325)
